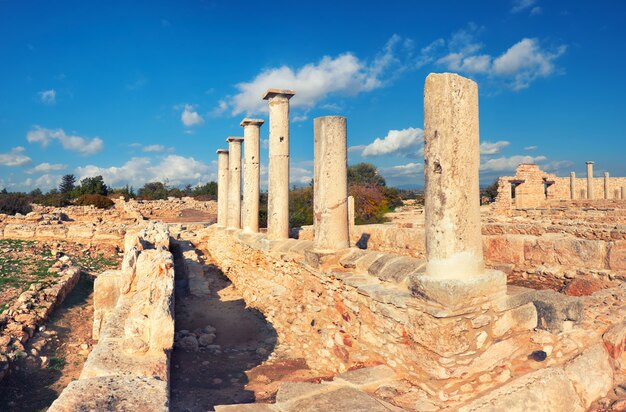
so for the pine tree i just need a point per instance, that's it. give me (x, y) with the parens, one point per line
(67, 184)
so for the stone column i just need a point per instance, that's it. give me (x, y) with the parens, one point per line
(572, 185)
(589, 180)
(606, 185)
(623, 192)
(351, 215)
(234, 182)
(454, 247)
(278, 168)
(251, 174)
(222, 187)
(330, 204)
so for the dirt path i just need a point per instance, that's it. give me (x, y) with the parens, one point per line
(56, 354)
(238, 366)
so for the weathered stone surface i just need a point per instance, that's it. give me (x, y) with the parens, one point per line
(591, 373)
(583, 287)
(341, 400)
(521, 318)
(543, 390)
(367, 378)
(106, 293)
(617, 255)
(615, 339)
(113, 393)
(504, 249)
(554, 308)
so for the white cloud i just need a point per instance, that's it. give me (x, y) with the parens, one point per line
(535, 11)
(501, 164)
(154, 148)
(516, 68)
(409, 169)
(521, 5)
(490, 148)
(345, 74)
(190, 117)
(43, 182)
(46, 167)
(15, 157)
(265, 143)
(530, 148)
(82, 145)
(407, 142)
(173, 169)
(48, 96)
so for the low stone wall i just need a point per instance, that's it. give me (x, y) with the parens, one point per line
(134, 325)
(358, 307)
(20, 320)
(82, 233)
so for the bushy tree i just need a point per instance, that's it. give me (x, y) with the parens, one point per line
(92, 186)
(153, 191)
(68, 184)
(301, 206)
(207, 190)
(491, 191)
(99, 201)
(127, 192)
(365, 174)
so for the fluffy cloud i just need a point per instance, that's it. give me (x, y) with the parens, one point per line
(407, 142)
(43, 182)
(173, 169)
(45, 168)
(82, 145)
(48, 96)
(190, 117)
(409, 169)
(530, 148)
(490, 148)
(521, 5)
(517, 67)
(15, 157)
(501, 164)
(154, 148)
(345, 74)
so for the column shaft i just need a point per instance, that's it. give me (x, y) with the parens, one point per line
(606, 185)
(331, 183)
(572, 185)
(251, 174)
(589, 180)
(234, 182)
(452, 159)
(222, 187)
(278, 169)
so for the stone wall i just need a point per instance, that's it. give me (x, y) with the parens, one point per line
(20, 320)
(358, 307)
(134, 325)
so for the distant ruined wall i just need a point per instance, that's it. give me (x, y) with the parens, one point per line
(128, 368)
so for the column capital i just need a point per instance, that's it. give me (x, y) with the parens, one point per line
(286, 93)
(221, 151)
(251, 122)
(589, 162)
(234, 139)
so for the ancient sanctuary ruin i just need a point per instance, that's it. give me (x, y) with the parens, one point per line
(516, 306)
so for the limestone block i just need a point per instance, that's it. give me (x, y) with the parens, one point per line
(397, 270)
(289, 391)
(554, 308)
(50, 232)
(80, 233)
(366, 378)
(504, 249)
(18, 231)
(520, 318)
(591, 373)
(617, 255)
(543, 390)
(113, 393)
(340, 400)
(445, 337)
(106, 293)
(349, 261)
(576, 252)
(615, 339)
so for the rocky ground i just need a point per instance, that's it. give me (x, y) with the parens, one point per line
(54, 356)
(225, 353)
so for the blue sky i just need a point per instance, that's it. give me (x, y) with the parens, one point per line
(150, 90)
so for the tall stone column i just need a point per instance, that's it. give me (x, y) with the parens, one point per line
(330, 204)
(234, 182)
(278, 168)
(572, 185)
(251, 174)
(454, 246)
(351, 215)
(623, 192)
(222, 187)
(606, 185)
(589, 180)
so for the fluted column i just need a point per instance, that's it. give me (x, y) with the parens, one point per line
(454, 247)
(589, 180)
(278, 169)
(222, 187)
(234, 182)
(330, 205)
(251, 174)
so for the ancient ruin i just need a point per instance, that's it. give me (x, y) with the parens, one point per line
(514, 306)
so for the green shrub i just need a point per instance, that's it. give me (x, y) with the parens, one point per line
(11, 204)
(53, 200)
(99, 201)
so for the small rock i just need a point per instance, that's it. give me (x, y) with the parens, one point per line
(84, 346)
(206, 339)
(217, 381)
(189, 343)
(261, 351)
(538, 356)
